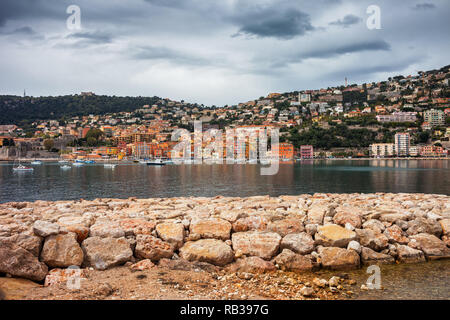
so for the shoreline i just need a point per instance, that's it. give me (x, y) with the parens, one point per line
(226, 235)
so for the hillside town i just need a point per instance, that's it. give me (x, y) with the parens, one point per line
(405, 116)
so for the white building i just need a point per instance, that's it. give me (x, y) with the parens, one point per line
(402, 144)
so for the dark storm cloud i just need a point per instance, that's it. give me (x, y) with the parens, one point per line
(272, 21)
(347, 21)
(31, 9)
(424, 6)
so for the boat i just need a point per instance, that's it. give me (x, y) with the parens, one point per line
(65, 167)
(89, 161)
(63, 161)
(78, 164)
(36, 162)
(21, 167)
(109, 165)
(156, 162)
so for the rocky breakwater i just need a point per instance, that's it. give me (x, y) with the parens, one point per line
(40, 240)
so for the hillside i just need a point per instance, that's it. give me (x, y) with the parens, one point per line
(24, 110)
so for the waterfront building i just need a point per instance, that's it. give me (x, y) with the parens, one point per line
(402, 144)
(306, 152)
(382, 150)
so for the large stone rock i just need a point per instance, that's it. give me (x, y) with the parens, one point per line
(332, 235)
(104, 253)
(212, 251)
(253, 243)
(395, 235)
(316, 213)
(30, 243)
(371, 239)
(422, 225)
(212, 228)
(172, 233)
(77, 225)
(45, 228)
(347, 215)
(338, 258)
(20, 263)
(67, 276)
(62, 250)
(252, 265)
(433, 247)
(288, 260)
(374, 225)
(259, 223)
(286, 226)
(149, 247)
(406, 254)
(445, 225)
(368, 256)
(16, 288)
(133, 227)
(301, 243)
(106, 229)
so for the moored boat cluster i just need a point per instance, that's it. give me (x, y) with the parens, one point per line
(40, 240)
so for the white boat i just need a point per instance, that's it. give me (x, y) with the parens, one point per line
(22, 168)
(65, 167)
(78, 164)
(109, 165)
(36, 162)
(156, 162)
(63, 161)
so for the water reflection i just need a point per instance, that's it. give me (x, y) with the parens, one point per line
(49, 182)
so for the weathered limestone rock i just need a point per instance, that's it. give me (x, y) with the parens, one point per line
(45, 228)
(395, 235)
(348, 215)
(104, 253)
(333, 235)
(251, 223)
(433, 247)
(172, 233)
(301, 243)
(207, 250)
(62, 250)
(69, 276)
(286, 226)
(142, 265)
(407, 254)
(149, 247)
(77, 225)
(254, 243)
(338, 258)
(368, 256)
(137, 226)
(30, 243)
(354, 245)
(20, 262)
(290, 261)
(371, 239)
(106, 229)
(212, 228)
(252, 265)
(422, 225)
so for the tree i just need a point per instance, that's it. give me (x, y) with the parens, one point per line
(48, 144)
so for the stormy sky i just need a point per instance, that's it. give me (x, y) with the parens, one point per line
(214, 52)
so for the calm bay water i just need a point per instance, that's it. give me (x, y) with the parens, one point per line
(49, 182)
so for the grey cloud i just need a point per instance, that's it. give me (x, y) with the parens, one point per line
(284, 23)
(424, 6)
(92, 37)
(167, 54)
(347, 21)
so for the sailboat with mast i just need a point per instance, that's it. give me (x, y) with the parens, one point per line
(21, 167)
